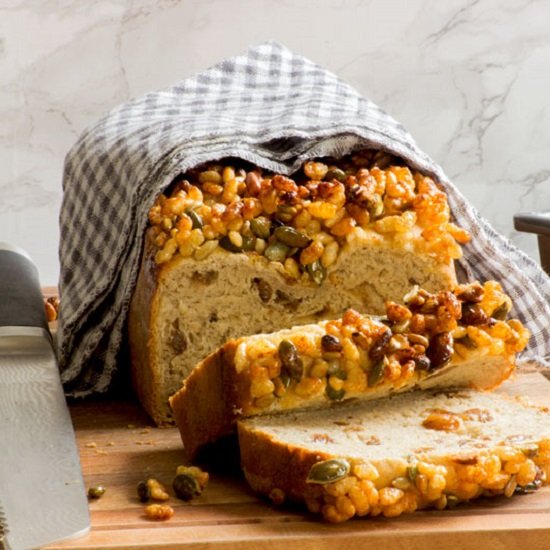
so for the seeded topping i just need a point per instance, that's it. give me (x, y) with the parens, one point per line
(357, 353)
(303, 221)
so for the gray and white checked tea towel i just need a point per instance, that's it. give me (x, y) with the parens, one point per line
(269, 106)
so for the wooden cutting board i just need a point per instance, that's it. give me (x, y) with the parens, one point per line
(119, 446)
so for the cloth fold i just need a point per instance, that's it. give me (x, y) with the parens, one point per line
(271, 107)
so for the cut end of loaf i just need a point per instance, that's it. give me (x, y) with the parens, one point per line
(398, 455)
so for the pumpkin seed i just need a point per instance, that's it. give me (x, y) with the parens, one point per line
(335, 395)
(96, 492)
(376, 373)
(186, 486)
(225, 242)
(291, 364)
(285, 212)
(500, 312)
(196, 219)
(317, 272)
(276, 251)
(289, 236)
(333, 366)
(375, 206)
(412, 472)
(335, 174)
(452, 501)
(249, 242)
(328, 471)
(261, 227)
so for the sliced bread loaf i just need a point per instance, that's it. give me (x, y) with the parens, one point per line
(397, 455)
(446, 339)
(233, 250)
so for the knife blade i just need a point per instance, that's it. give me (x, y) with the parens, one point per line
(41, 486)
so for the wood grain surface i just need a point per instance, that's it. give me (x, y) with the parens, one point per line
(119, 446)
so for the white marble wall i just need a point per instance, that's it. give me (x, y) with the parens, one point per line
(469, 78)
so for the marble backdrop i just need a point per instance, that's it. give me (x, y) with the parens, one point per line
(470, 79)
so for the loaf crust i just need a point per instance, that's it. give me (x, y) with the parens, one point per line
(502, 447)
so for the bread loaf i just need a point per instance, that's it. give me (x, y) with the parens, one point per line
(394, 456)
(446, 339)
(233, 250)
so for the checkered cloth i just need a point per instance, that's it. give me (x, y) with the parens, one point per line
(268, 106)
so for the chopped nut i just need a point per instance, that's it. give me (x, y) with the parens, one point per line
(159, 512)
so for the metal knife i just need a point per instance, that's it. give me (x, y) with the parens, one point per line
(42, 492)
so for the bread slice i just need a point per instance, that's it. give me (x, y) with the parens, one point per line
(458, 344)
(397, 455)
(233, 251)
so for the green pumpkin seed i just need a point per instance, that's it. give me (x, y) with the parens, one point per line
(375, 206)
(96, 492)
(289, 236)
(335, 395)
(225, 242)
(452, 501)
(336, 368)
(317, 272)
(376, 373)
(412, 472)
(249, 242)
(285, 212)
(276, 252)
(261, 227)
(196, 219)
(501, 312)
(328, 471)
(335, 174)
(186, 486)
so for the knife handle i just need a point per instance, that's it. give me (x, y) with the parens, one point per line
(21, 301)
